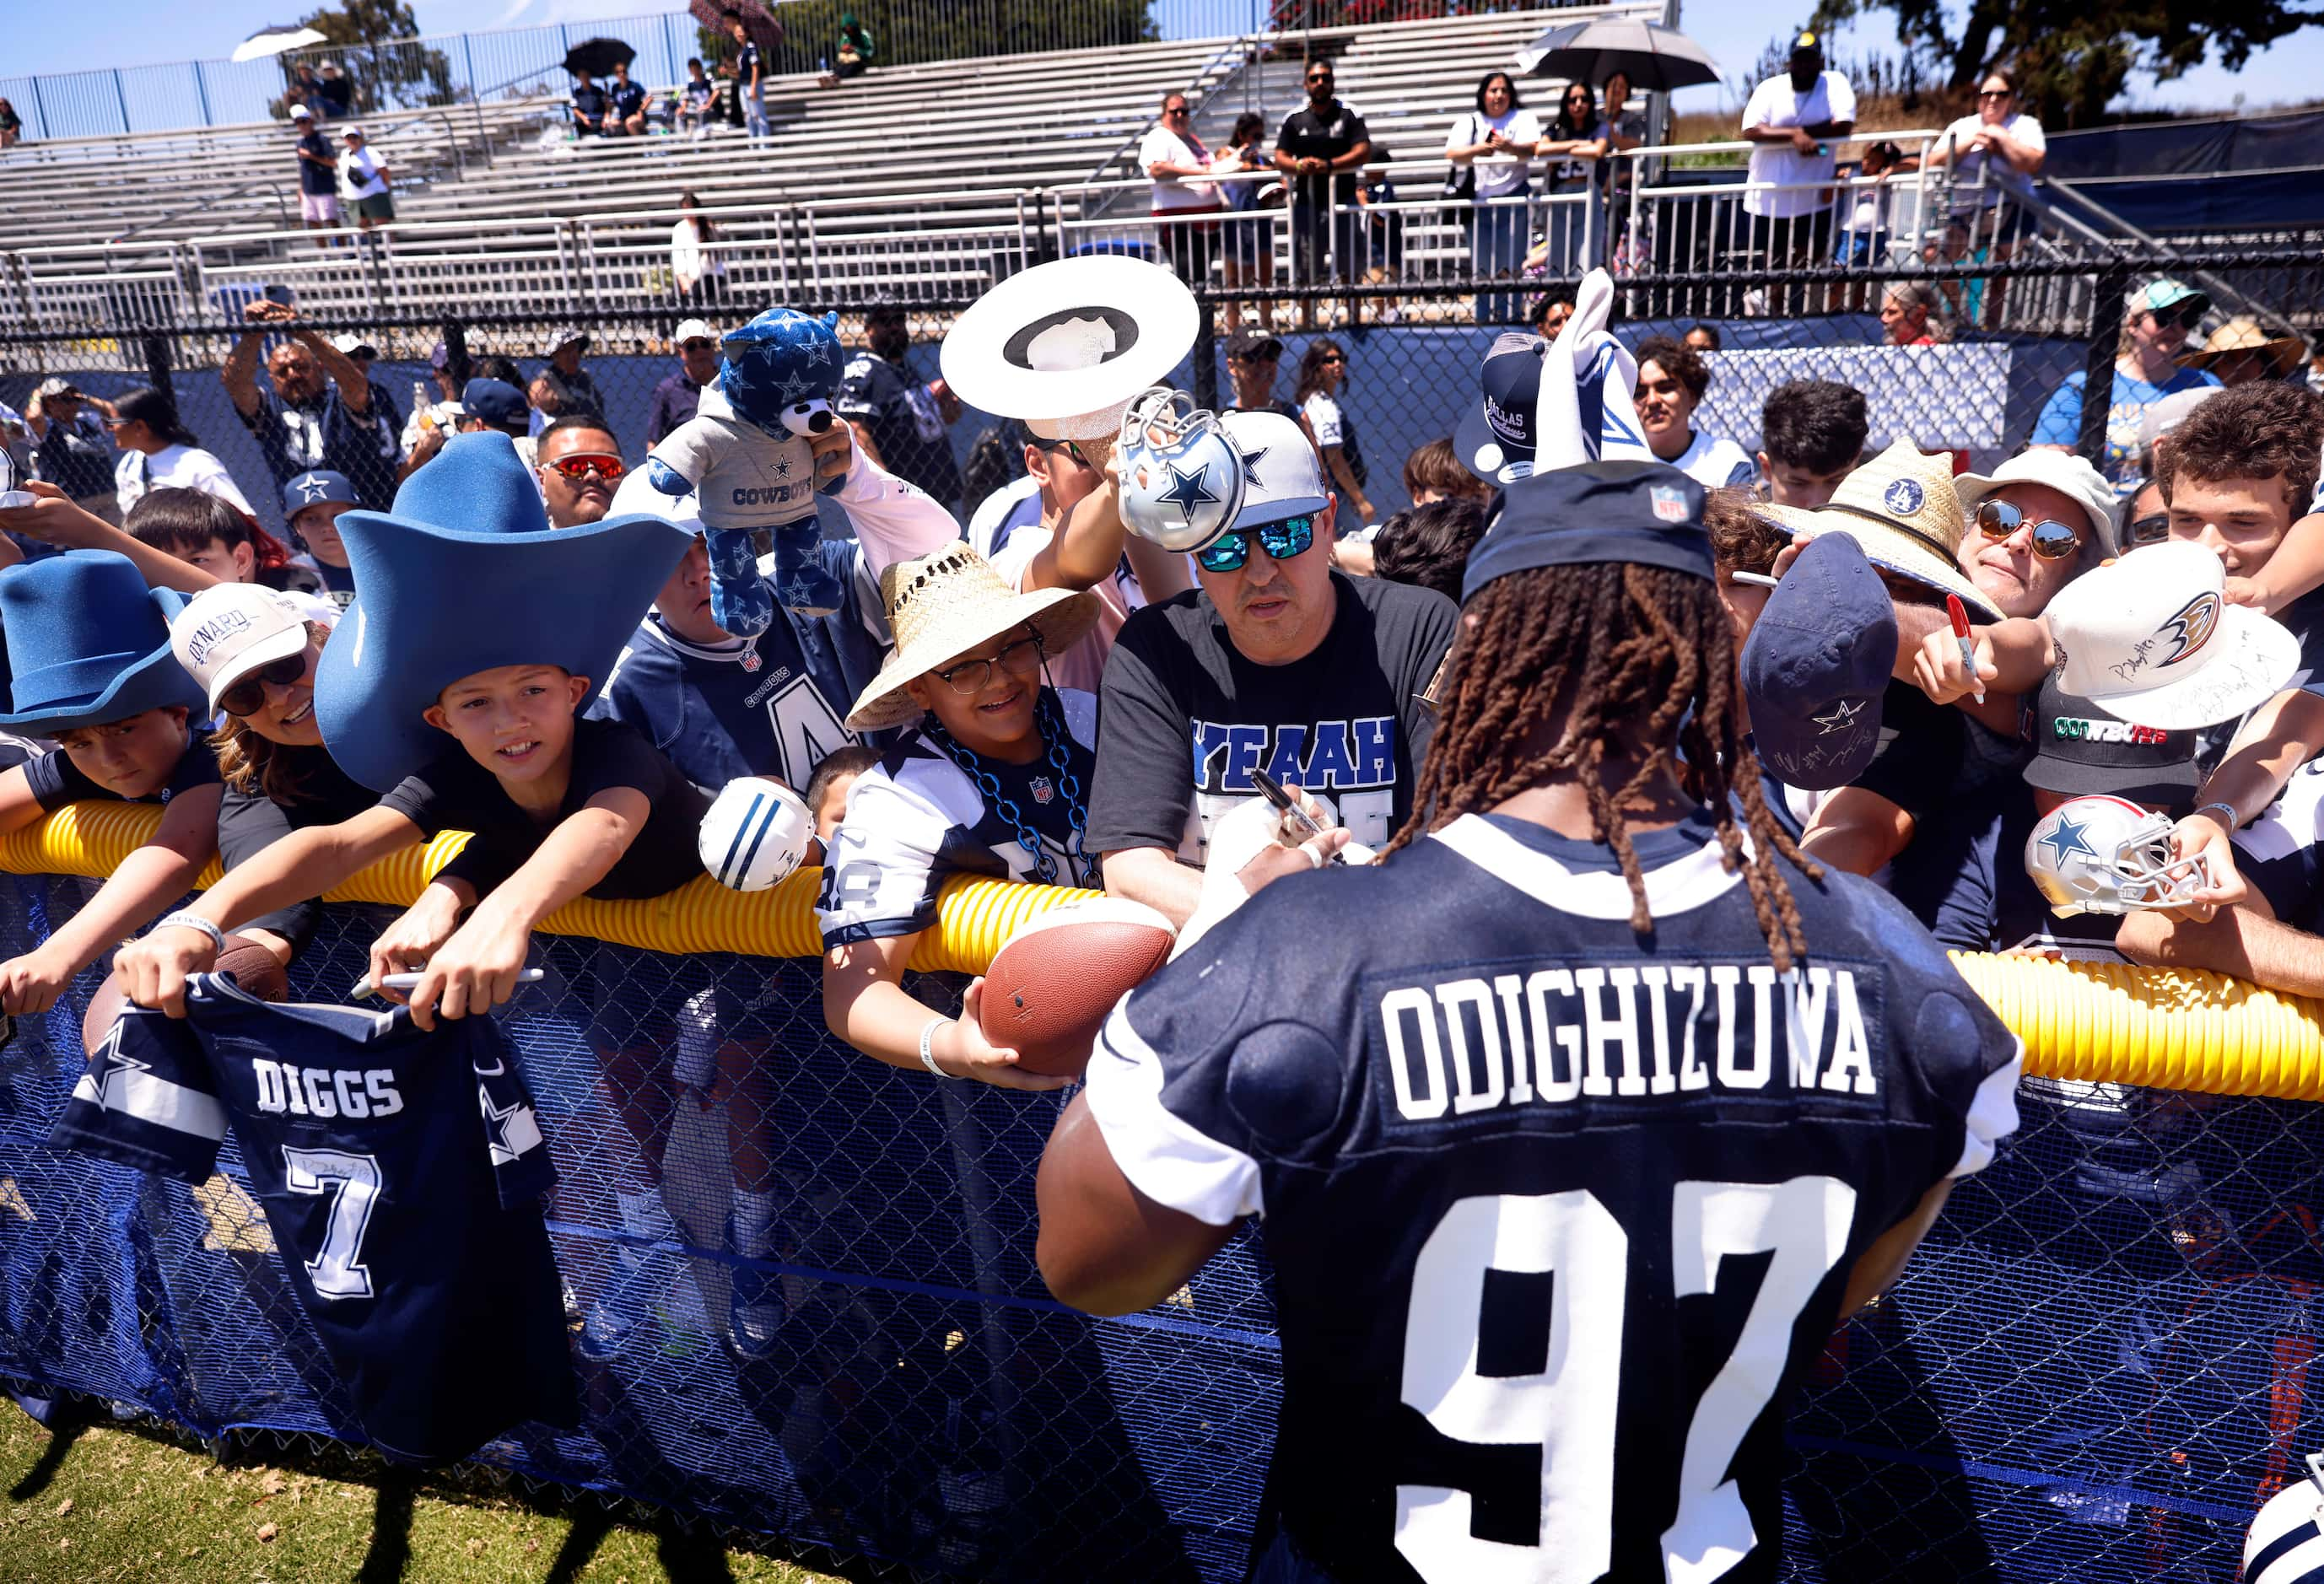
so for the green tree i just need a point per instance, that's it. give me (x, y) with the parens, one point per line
(377, 41)
(2072, 57)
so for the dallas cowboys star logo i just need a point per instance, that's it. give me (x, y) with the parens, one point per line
(1189, 490)
(312, 489)
(1251, 464)
(108, 1069)
(797, 388)
(1839, 717)
(509, 1130)
(798, 592)
(2066, 838)
(819, 351)
(782, 469)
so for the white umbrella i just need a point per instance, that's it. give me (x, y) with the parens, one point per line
(275, 41)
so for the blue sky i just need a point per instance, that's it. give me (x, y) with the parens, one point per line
(54, 39)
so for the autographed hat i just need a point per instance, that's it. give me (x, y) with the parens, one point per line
(2243, 335)
(1817, 664)
(1646, 514)
(1551, 404)
(949, 602)
(2152, 640)
(1065, 345)
(230, 630)
(88, 643)
(2071, 477)
(1901, 508)
(462, 575)
(1281, 475)
(316, 487)
(2080, 749)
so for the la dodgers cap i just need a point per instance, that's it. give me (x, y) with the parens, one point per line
(2080, 749)
(2152, 640)
(1817, 664)
(1641, 512)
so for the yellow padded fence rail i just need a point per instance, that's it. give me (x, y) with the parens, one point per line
(2168, 1029)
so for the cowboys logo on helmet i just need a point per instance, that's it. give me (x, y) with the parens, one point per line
(2285, 1545)
(2108, 855)
(1182, 478)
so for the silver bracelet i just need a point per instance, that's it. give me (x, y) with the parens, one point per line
(2231, 822)
(927, 1046)
(185, 920)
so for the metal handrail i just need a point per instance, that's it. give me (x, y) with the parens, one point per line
(2220, 288)
(267, 182)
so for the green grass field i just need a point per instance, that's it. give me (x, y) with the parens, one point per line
(105, 1504)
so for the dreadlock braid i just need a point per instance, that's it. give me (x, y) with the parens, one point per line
(1627, 651)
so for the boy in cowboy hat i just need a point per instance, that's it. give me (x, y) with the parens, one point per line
(88, 650)
(992, 779)
(457, 631)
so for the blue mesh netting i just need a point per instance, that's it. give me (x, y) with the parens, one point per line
(2095, 1369)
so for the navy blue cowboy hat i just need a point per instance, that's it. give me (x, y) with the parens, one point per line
(88, 643)
(465, 575)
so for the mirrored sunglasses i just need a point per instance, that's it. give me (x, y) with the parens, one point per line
(1294, 536)
(2149, 530)
(247, 696)
(2052, 541)
(582, 464)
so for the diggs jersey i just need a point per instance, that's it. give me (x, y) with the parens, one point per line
(916, 819)
(1559, 1214)
(400, 1171)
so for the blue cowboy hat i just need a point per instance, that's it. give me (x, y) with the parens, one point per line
(88, 643)
(464, 575)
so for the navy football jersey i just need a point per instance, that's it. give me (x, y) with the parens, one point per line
(401, 1171)
(1558, 1213)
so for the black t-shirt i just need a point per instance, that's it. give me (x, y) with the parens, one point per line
(321, 180)
(577, 393)
(627, 98)
(590, 101)
(1307, 136)
(249, 823)
(56, 780)
(1346, 722)
(1932, 758)
(909, 430)
(456, 793)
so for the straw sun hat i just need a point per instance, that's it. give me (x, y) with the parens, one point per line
(946, 604)
(2243, 334)
(1901, 508)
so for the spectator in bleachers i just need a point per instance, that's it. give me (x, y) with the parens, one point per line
(1495, 141)
(1619, 130)
(1704, 338)
(899, 419)
(1323, 371)
(368, 180)
(1672, 380)
(1175, 162)
(1321, 145)
(1870, 205)
(158, 451)
(443, 414)
(71, 447)
(1428, 546)
(2239, 352)
(625, 104)
(12, 125)
(1995, 154)
(694, 99)
(1570, 148)
(318, 173)
(587, 106)
(207, 533)
(1434, 473)
(1794, 121)
(337, 91)
(1811, 435)
(695, 265)
(1551, 309)
(679, 395)
(2154, 324)
(855, 52)
(319, 412)
(1912, 314)
(1247, 257)
(750, 76)
(307, 89)
(563, 388)
(580, 466)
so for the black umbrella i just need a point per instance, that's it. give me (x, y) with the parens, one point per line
(598, 56)
(1655, 56)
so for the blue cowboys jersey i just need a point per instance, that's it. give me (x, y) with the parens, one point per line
(1558, 1213)
(400, 1171)
(916, 819)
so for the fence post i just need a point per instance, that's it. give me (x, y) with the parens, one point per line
(121, 99)
(456, 351)
(1206, 356)
(2108, 293)
(157, 364)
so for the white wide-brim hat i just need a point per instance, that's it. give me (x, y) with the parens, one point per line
(1068, 345)
(2152, 639)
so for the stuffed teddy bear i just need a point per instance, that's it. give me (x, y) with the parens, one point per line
(745, 456)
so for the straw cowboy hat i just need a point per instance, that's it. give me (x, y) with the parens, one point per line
(1901, 508)
(2243, 334)
(87, 642)
(946, 604)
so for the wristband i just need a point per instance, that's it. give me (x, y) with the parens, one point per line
(2231, 822)
(185, 920)
(927, 1046)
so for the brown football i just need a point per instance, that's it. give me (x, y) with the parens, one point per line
(254, 969)
(1052, 984)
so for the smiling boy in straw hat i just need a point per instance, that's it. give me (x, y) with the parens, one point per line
(992, 780)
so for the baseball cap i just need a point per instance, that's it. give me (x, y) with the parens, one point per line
(2079, 748)
(1495, 438)
(1253, 344)
(2158, 418)
(695, 330)
(316, 487)
(353, 134)
(2164, 293)
(230, 630)
(56, 385)
(1282, 476)
(1645, 513)
(495, 401)
(300, 113)
(558, 339)
(2071, 477)
(2152, 639)
(1817, 664)
(1808, 43)
(439, 356)
(353, 345)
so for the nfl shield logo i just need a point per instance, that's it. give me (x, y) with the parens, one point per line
(750, 661)
(1042, 790)
(1669, 502)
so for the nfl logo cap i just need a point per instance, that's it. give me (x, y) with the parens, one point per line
(230, 630)
(1282, 476)
(1817, 664)
(1639, 513)
(2079, 748)
(2152, 640)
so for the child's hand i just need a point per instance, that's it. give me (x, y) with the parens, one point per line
(961, 1049)
(30, 985)
(413, 938)
(474, 972)
(154, 969)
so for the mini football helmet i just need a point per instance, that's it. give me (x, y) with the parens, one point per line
(2286, 1543)
(1182, 477)
(2106, 855)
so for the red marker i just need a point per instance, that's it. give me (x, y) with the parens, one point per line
(1960, 614)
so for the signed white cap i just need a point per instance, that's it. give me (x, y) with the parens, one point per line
(2152, 639)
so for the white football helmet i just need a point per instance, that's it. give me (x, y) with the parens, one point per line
(2286, 1543)
(2103, 854)
(755, 834)
(1182, 477)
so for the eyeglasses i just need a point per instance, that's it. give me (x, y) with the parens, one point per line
(247, 696)
(1294, 536)
(1995, 94)
(969, 677)
(2186, 316)
(581, 465)
(2052, 541)
(1333, 357)
(2148, 530)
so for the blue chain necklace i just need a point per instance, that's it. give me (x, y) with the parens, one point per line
(1050, 719)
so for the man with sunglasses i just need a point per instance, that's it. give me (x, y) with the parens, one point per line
(1321, 145)
(319, 412)
(579, 468)
(1277, 662)
(1176, 160)
(2042, 520)
(2146, 368)
(679, 395)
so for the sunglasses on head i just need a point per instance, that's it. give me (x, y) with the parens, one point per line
(1281, 541)
(2052, 541)
(247, 696)
(2151, 530)
(582, 464)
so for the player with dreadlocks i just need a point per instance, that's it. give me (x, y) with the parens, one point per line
(1576, 1124)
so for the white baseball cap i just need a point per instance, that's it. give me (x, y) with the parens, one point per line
(693, 330)
(2071, 477)
(2152, 639)
(230, 630)
(300, 113)
(1282, 476)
